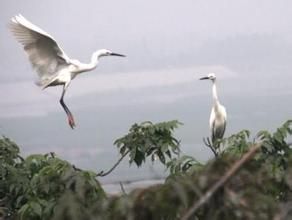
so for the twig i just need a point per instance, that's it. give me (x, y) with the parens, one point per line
(102, 173)
(247, 156)
(21, 158)
(207, 142)
(122, 188)
(53, 155)
(76, 168)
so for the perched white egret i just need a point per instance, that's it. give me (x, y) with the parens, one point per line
(218, 113)
(49, 60)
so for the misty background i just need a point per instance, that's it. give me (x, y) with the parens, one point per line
(169, 46)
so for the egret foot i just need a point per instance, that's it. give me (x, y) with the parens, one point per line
(71, 121)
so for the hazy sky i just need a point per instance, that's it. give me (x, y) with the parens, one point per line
(169, 45)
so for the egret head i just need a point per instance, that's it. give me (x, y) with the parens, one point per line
(105, 52)
(210, 76)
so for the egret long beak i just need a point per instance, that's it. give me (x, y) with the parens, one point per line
(206, 77)
(117, 54)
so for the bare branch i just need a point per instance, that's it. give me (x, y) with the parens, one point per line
(208, 144)
(246, 157)
(102, 173)
(123, 188)
(21, 158)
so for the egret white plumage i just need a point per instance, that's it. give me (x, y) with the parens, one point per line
(49, 60)
(218, 115)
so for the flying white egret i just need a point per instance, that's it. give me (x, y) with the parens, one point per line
(49, 60)
(218, 113)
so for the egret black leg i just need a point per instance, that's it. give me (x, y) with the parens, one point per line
(69, 114)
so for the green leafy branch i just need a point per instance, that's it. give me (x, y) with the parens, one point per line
(147, 139)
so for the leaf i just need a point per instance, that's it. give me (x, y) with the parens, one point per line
(139, 158)
(36, 208)
(22, 211)
(161, 157)
(19, 200)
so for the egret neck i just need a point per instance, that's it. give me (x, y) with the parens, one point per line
(85, 67)
(214, 89)
(94, 60)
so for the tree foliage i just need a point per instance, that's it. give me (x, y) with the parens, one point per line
(150, 140)
(30, 188)
(46, 187)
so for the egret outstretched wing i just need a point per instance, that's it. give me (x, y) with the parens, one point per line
(45, 55)
(53, 66)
